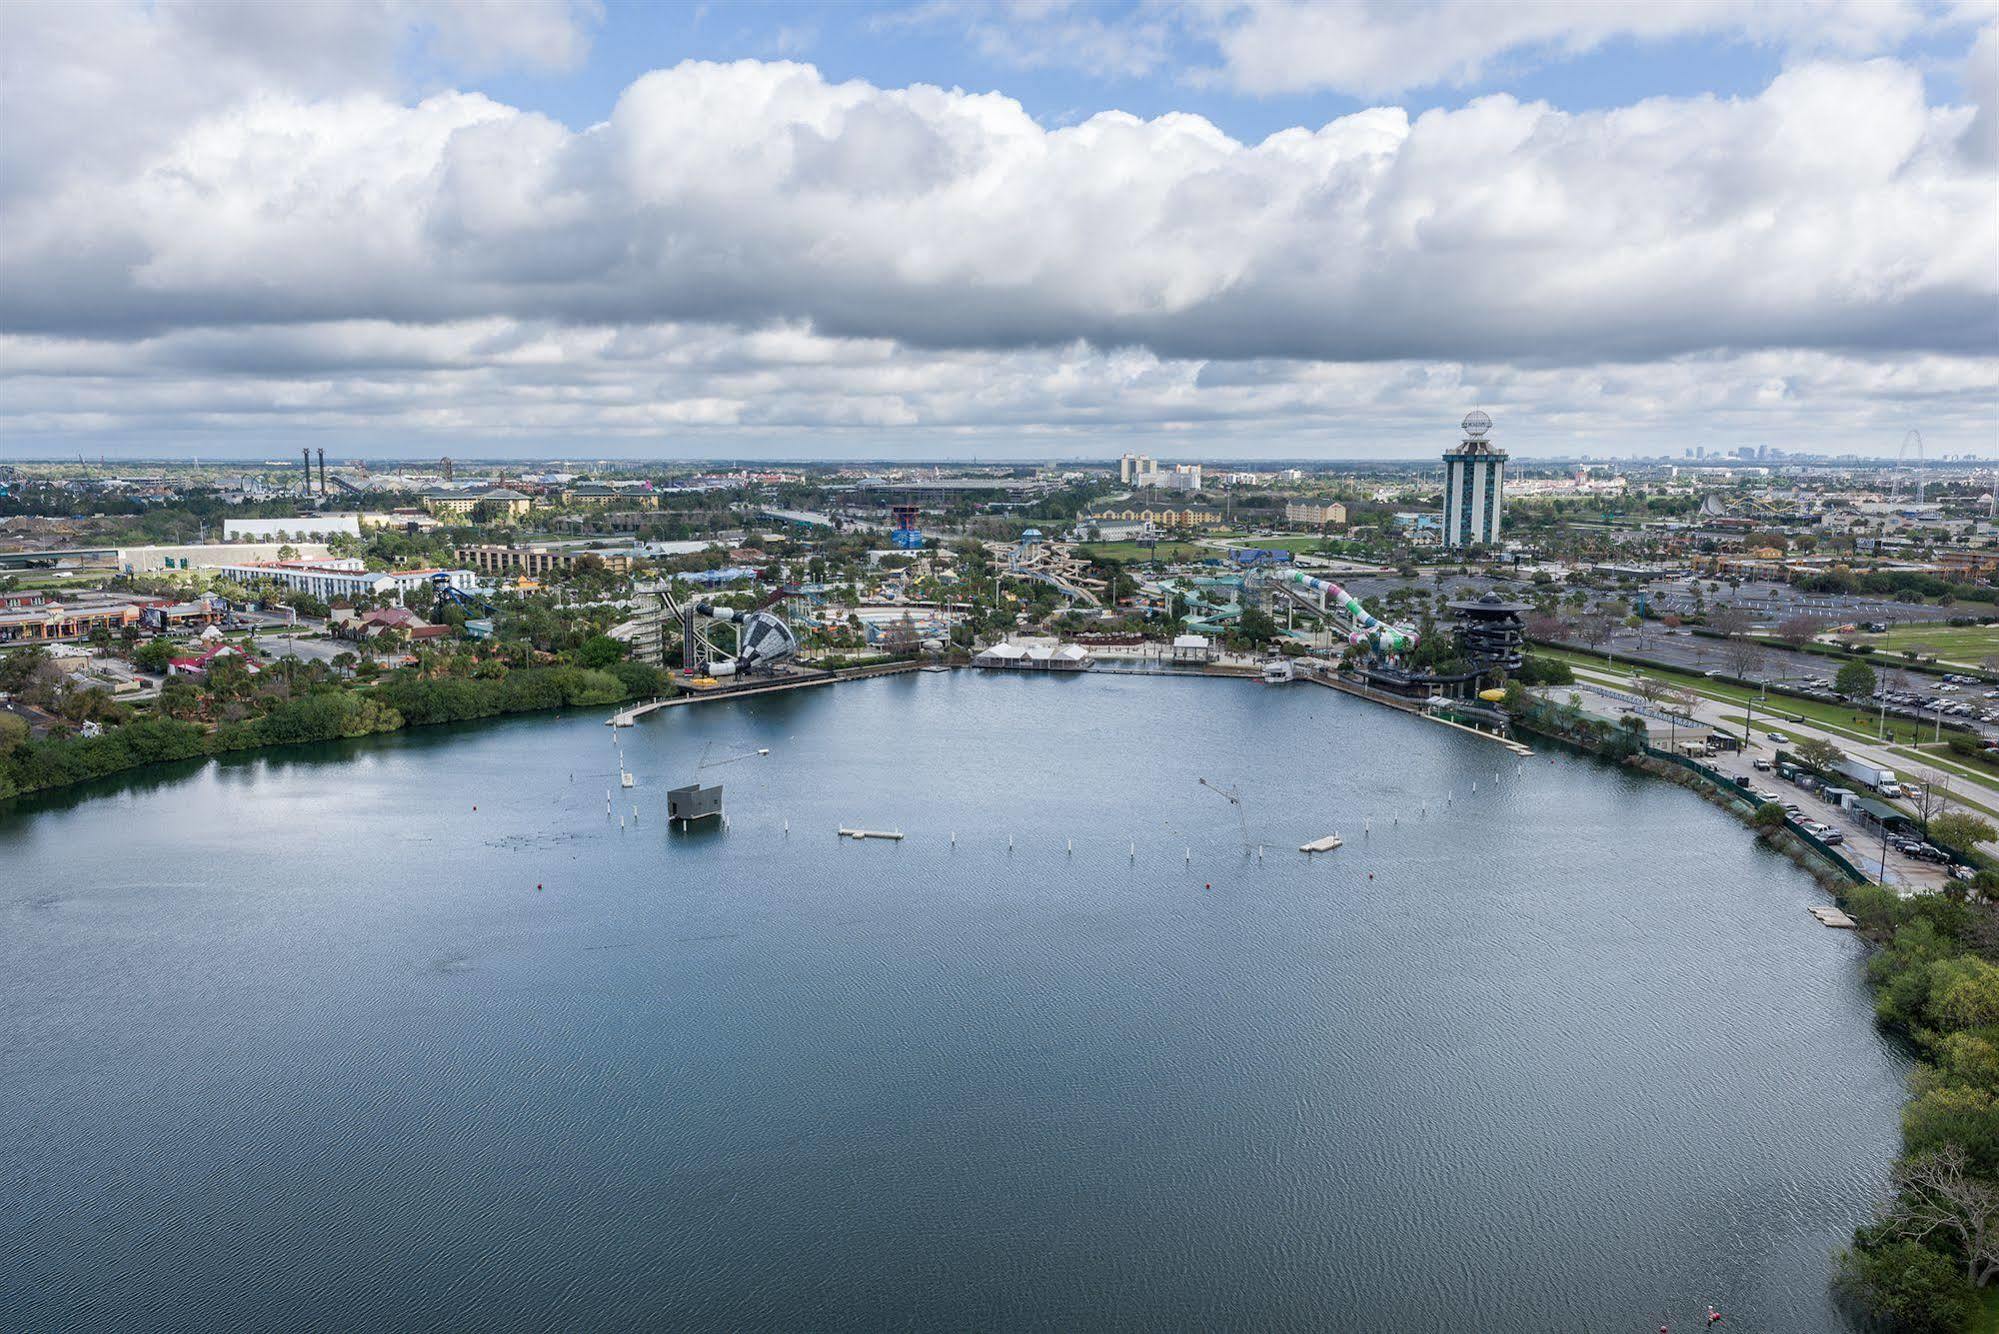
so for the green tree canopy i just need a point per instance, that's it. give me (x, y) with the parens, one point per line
(599, 651)
(1962, 831)
(155, 654)
(1819, 754)
(1855, 680)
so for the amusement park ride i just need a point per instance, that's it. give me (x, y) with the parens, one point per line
(762, 640)
(1343, 609)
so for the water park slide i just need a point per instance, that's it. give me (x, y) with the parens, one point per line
(1364, 627)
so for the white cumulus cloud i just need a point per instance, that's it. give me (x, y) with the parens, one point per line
(751, 246)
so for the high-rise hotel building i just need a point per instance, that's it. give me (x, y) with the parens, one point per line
(1474, 487)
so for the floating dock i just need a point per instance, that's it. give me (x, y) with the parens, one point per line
(894, 836)
(1326, 844)
(1833, 917)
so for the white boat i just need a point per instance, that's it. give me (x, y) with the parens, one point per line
(1279, 671)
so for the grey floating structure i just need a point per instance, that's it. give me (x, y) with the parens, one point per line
(694, 802)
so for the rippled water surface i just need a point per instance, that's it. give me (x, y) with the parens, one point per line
(297, 1042)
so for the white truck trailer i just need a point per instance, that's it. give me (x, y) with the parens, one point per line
(1871, 776)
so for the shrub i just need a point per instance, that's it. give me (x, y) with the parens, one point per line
(1909, 1286)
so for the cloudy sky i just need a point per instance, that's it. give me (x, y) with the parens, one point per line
(1200, 228)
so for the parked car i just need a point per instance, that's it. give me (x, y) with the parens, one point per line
(1831, 836)
(1761, 765)
(1779, 738)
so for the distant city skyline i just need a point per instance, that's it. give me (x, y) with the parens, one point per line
(1051, 231)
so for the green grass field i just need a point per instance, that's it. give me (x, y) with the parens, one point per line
(1964, 644)
(1294, 544)
(47, 580)
(1134, 551)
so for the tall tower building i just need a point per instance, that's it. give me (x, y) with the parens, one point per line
(1474, 487)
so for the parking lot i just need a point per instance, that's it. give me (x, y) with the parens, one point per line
(1860, 842)
(1914, 695)
(305, 649)
(1770, 603)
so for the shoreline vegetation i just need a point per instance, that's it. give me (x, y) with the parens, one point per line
(396, 701)
(1926, 1263)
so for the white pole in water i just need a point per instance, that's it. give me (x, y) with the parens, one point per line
(787, 828)
(954, 838)
(1134, 850)
(1190, 856)
(1009, 842)
(1072, 847)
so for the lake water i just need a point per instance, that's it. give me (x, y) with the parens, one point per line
(296, 1041)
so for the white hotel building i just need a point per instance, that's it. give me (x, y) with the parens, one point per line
(342, 577)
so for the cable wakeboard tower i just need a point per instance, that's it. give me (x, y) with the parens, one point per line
(1355, 621)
